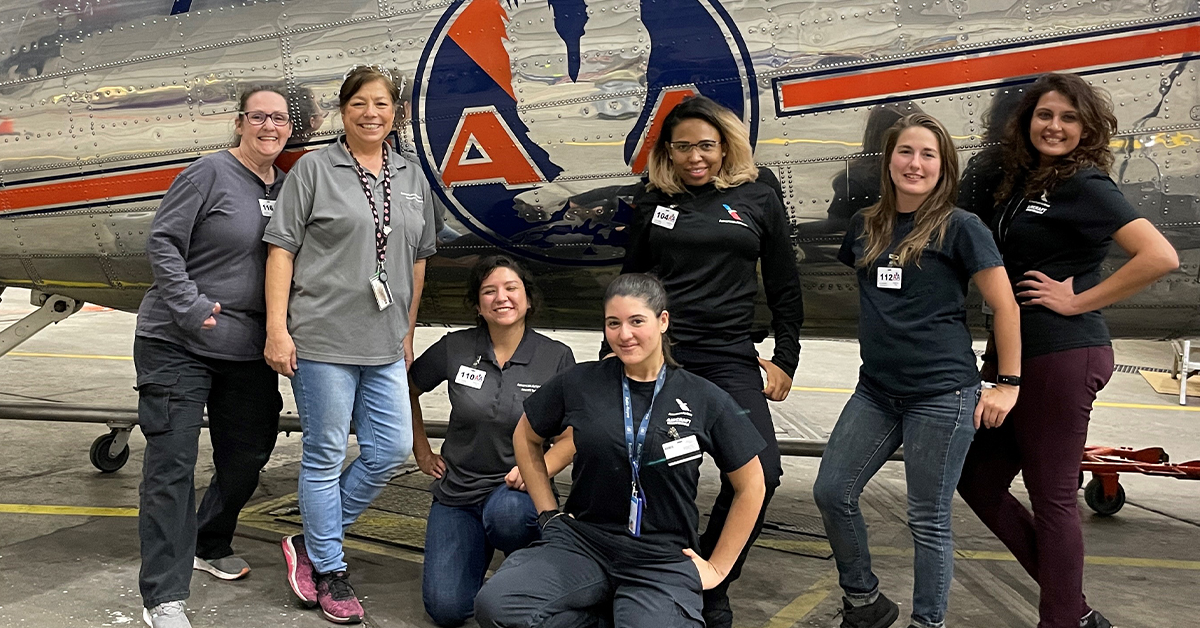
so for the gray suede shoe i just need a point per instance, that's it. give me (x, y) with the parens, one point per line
(167, 615)
(228, 568)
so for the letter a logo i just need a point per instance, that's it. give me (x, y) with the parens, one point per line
(484, 150)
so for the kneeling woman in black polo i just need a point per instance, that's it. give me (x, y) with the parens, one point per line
(479, 503)
(626, 549)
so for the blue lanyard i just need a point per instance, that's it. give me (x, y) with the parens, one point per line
(635, 452)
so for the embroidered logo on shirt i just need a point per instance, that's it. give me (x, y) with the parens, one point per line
(1037, 207)
(683, 417)
(1040, 206)
(528, 388)
(737, 220)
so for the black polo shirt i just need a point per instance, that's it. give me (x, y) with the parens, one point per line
(1065, 233)
(478, 449)
(588, 398)
(914, 340)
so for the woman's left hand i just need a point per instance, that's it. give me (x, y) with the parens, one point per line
(710, 576)
(994, 405)
(514, 481)
(778, 382)
(1057, 296)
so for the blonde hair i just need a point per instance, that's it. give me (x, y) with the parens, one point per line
(932, 216)
(737, 166)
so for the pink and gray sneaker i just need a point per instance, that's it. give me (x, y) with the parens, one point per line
(300, 572)
(337, 599)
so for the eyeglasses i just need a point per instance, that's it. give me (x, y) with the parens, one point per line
(686, 148)
(259, 118)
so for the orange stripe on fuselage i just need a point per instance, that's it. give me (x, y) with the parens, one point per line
(990, 67)
(71, 191)
(81, 191)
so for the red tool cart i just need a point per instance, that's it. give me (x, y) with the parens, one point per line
(1104, 493)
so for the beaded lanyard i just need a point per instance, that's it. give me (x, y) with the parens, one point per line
(382, 228)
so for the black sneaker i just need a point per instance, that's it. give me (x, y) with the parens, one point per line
(878, 614)
(1095, 620)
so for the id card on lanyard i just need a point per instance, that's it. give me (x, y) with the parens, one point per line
(383, 227)
(634, 444)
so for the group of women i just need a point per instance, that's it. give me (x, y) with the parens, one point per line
(329, 301)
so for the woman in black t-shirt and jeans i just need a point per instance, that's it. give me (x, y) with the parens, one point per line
(625, 554)
(1057, 213)
(914, 253)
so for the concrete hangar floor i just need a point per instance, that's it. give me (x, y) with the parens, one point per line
(69, 546)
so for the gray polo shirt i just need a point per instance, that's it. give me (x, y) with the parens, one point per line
(205, 247)
(479, 441)
(322, 217)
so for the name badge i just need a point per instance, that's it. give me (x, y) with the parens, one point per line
(637, 506)
(267, 207)
(665, 217)
(470, 377)
(888, 278)
(683, 450)
(383, 294)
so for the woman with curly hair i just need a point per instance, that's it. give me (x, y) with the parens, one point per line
(1057, 213)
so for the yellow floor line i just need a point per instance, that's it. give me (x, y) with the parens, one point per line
(800, 607)
(73, 356)
(74, 511)
(1098, 404)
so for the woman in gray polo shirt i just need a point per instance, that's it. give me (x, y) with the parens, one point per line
(346, 263)
(480, 504)
(199, 341)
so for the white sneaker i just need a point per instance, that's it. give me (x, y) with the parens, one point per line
(167, 615)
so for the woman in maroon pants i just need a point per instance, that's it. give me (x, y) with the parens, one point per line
(1057, 213)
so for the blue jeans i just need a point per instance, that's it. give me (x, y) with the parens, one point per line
(459, 543)
(936, 433)
(328, 398)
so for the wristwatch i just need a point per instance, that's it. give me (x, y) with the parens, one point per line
(546, 516)
(1008, 380)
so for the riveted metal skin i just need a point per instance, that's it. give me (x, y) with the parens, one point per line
(102, 102)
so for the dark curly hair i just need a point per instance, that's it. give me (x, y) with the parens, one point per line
(1022, 162)
(484, 267)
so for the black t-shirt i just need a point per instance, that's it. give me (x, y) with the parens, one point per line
(914, 341)
(1065, 233)
(478, 449)
(708, 261)
(588, 398)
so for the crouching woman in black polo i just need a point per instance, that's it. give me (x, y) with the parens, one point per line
(625, 552)
(479, 503)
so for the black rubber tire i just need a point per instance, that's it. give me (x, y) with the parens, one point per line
(1093, 494)
(99, 454)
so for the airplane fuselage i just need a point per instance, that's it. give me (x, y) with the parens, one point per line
(531, 119)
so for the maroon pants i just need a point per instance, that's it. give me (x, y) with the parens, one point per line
(1042, 438)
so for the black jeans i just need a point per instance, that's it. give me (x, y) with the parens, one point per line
(563, 581)
(737, 373)
(243, 403)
